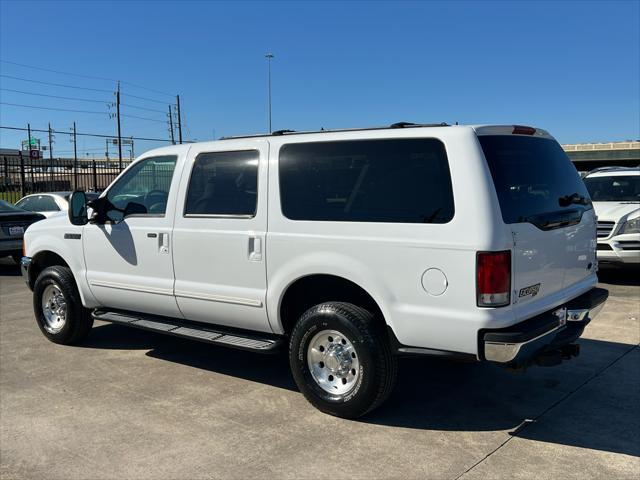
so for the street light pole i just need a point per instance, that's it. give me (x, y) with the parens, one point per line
(269, 56)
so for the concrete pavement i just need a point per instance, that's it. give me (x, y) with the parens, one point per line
(133, 404)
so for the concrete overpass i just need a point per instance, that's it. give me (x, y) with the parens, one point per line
(587, 156)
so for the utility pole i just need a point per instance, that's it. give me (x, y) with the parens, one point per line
(173, 140)
(50, 155)
(75, 158)
(179, 120)
(50, 143)
(269, 56)
(29, 141)
(119, 133)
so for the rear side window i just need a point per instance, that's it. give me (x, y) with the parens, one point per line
(532, 176)
(224, 183)
(395, 180)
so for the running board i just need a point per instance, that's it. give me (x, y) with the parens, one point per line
(191, 331)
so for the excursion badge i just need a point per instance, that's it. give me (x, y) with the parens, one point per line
(530, 290)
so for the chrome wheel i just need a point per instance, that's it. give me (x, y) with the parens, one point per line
(333, 362)
(54, 309)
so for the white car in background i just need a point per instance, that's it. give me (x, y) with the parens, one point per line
(615, 193)
(48, 204)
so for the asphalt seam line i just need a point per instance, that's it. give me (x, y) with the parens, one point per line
(526, 422)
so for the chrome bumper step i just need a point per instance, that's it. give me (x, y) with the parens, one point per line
(193, 331)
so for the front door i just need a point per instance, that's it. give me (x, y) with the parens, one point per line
(219, 236)
(129, 261)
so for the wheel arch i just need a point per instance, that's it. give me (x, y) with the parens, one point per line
(308, 290)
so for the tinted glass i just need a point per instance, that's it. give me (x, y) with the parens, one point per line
(7, 207)
(223, 183)
(531, 175)
(46, 203)
(144, 188)
(26, 204)
(616, 188)
(395, 180)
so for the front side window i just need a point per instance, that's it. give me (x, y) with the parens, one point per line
(224, 183)
(389, 180)
(143, 189)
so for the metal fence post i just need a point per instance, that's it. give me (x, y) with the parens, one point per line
(95, 177)
(21, 175)
(6, 171)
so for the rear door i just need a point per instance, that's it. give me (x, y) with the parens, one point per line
(219, 235)
(547, 208)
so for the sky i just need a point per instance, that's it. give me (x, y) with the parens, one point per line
(572, 68)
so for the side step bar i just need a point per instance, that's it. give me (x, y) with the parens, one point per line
(192, 331)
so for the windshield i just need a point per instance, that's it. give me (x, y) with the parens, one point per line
(533, 178)
(616, 188)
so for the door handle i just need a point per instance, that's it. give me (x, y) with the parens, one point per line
(163, 243)
(255, 249)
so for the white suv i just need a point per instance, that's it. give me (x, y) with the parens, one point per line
(349, 248)
(615, 192)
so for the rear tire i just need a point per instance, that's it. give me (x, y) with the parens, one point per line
(341, 359)
(58, 308)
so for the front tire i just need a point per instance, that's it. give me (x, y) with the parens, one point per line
(58, 308)
(341, 360)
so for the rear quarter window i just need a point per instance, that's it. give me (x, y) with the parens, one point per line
(387, 180)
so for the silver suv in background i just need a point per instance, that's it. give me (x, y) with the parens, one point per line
(615, 192)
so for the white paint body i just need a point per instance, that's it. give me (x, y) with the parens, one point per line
(214, 273)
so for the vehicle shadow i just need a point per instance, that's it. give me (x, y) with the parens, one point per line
(8, 268)
(619, 275)
(435, 394)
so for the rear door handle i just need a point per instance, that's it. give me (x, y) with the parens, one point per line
(255, 249)
(163, 243)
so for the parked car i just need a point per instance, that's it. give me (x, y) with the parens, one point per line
(13, 223)
(349, 248)
(49, 203)
(615, 192)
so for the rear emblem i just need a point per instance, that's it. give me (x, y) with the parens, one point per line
(530, 290)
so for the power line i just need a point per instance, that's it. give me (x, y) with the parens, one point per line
(55, 84)
(143, 118)
(144, 98)
(51, 108)
(85, 76)
(58, 96)
(96, 135)
(141, 108)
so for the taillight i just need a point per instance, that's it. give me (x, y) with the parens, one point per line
(493, 278)
(522, 130)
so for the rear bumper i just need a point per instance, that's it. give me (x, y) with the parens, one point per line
(10, 246)
(546, 338)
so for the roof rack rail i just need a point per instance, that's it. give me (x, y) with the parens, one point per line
(612, 167)
(282, 132)
(308, 132)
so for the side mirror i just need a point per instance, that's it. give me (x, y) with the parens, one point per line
(78, 208)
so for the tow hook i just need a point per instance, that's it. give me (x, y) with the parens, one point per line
(551, 358)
